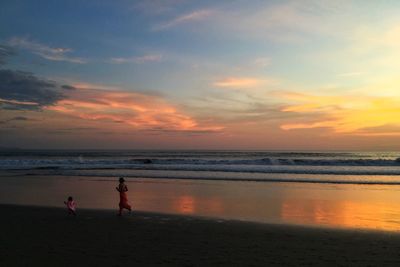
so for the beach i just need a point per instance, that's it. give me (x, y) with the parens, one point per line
(39, 236)
(187, 214)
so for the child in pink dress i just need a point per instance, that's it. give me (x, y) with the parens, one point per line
(70, 206)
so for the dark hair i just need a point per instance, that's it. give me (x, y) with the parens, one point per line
(121, 179)
(70, 199)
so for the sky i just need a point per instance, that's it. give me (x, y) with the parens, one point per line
(181, 74)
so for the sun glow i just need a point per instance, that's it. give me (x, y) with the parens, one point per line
(346, 114)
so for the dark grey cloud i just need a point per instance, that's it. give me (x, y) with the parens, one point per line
(72, 130)
(68, 87)
(19, 118)
(5, 53)
(24, 91)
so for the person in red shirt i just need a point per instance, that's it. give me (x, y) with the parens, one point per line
(123, 198)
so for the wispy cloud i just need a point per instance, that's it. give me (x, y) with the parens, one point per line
(282, 21)
(137, 110)
(44, 51)
(86, 85)
(197, 15)
(242, 82)
(137, 60)
(17, 103)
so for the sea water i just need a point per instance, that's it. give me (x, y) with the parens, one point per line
(337, 167)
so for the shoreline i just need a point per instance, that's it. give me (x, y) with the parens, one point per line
(46, 236)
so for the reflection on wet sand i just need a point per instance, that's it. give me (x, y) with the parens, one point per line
(384, 216)
(369, 207)
(185, 205)
(190, 204)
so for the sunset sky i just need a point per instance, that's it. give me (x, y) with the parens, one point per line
(180, 74)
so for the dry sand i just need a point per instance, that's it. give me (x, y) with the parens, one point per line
(36, 236)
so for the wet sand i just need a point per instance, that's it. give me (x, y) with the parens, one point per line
(338, 206)
(37, 236)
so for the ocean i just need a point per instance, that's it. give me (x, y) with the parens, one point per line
(320, 189)
(263, 166)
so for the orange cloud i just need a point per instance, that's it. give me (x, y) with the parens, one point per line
(346, 114)
(84, 85)
(141, 111)
(239, 82)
